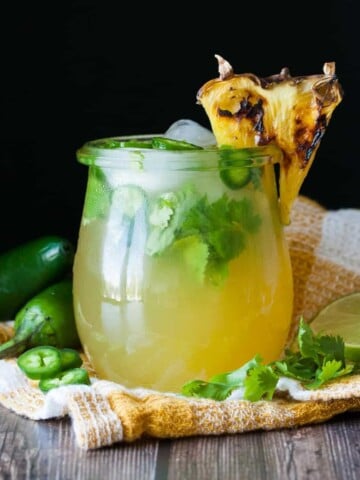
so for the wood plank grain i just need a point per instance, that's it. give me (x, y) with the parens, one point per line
(329, 451)
(343, 441)
(46, 450)
(225, 457)
(298, 454)
(316, 452)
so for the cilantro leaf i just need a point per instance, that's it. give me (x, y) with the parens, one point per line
(260, 383)
(201, 389)
(243, 212)
(320, 358)
(225, 244)
(220, 386)
(222, 225)
(332, 347)
(295, 366)
(216, 271)
(166, 213)
(237, 377)
(194, 253)
(330, 370)
(308, 344)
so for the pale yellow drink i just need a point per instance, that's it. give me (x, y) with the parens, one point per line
(158, 318)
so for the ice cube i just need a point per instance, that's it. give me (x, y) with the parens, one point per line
(190, 131)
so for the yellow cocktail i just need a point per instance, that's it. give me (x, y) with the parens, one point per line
(182, 270)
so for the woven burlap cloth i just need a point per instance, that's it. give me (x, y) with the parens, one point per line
(325, 254)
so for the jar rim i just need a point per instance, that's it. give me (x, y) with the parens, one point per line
(92, 153)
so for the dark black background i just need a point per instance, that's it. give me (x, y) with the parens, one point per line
(79, 70)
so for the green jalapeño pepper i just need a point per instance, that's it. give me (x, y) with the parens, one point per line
(70, 358)
(46, 319)
(164, 143)
(27, 269)
(73, 376)
(40, 362)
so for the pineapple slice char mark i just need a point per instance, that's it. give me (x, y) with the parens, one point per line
(290, 112)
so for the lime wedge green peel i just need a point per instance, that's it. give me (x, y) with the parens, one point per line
(341, 317)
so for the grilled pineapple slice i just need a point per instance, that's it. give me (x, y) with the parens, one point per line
(289, 112)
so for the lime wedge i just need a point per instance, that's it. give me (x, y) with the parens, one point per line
(341, 317)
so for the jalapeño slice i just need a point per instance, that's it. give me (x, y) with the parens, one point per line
(70, 358)
(135, 144)
(235, 167)
(73, 376)
(164, 143)
(40, 362)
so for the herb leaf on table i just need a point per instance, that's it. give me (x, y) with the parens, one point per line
(315, 360)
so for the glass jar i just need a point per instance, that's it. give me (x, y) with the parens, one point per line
(181, 270)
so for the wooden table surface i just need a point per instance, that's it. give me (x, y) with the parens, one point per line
(46, 450)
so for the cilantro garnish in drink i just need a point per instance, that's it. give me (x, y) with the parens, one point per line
(183, 223)
(207, 234)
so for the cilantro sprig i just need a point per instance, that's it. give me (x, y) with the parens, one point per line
(207, 235)
(315, 360)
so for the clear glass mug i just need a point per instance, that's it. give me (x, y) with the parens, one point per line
(182, 270)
